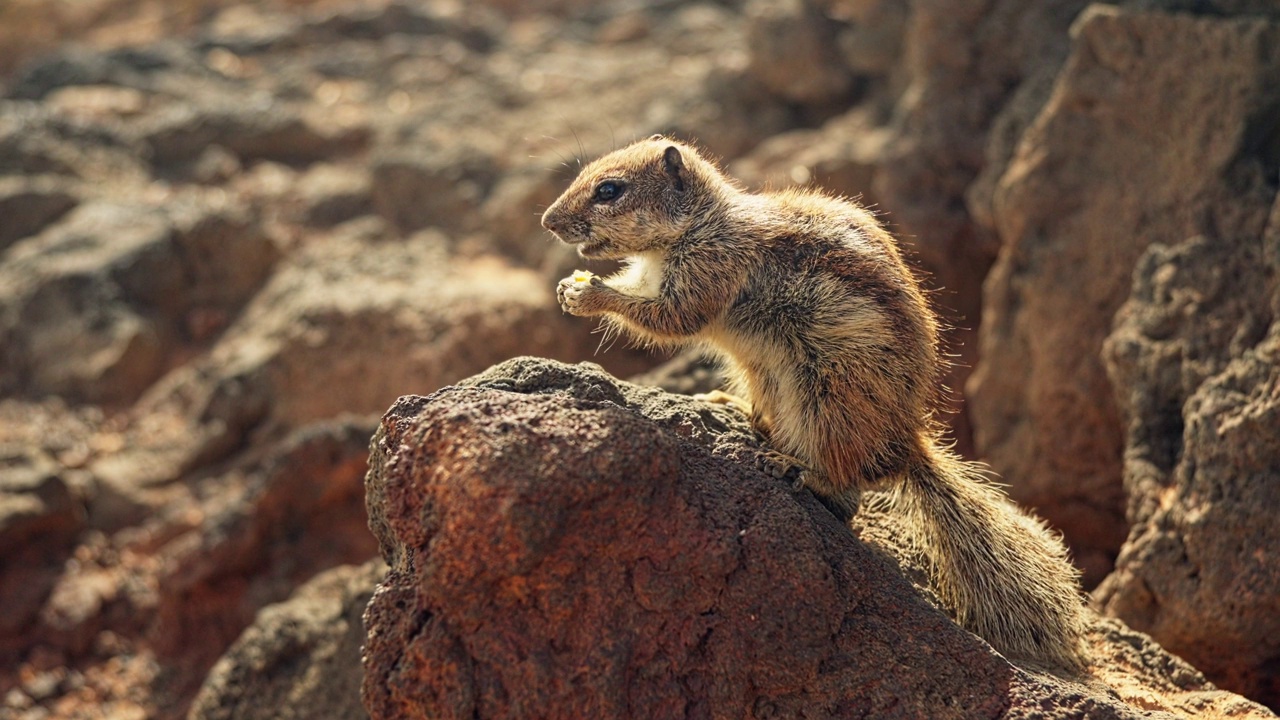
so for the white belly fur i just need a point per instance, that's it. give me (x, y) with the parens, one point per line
(642, 277)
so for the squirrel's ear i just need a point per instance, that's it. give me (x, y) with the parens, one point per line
(673, 164)
(657, 136)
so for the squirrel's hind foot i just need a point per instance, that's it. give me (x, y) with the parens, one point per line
(720, 397)
(842, 505)
(782, 466)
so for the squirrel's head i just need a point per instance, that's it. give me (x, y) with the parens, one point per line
(640, 198)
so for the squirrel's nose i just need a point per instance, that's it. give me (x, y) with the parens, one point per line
(551, 221)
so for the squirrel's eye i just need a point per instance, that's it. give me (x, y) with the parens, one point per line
(608, 190)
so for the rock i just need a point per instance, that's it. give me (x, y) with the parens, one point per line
(95, 308)
(332, 194)
(794, 52)
(1145, 675)
(340, 329)
(300, 658)
(1196, 354)
(515, 205)
(176, 587)
(80, 66)
(61, 440)
(259, 128)
(301, 514)
(102, 103)
(431, 187)
(29, 204)
(202, 274)
(40, 517)
(841, 158)
(960, 65)
(350, 322)
(624, 28)
(215, 165)
(727, 113)
(35, 140)
(1086, 192)
(475, 29)
(564, 544)
(871, 37)
(963, 63)
(688, 373)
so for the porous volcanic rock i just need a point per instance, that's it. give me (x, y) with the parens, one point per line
(299, 515)
(300, 660)
(1093, 182)
(1196, 352)
(101, 304)
(564, 544)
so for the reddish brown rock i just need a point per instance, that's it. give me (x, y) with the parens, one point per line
(299, 515)
(1196, 353)
(1094, 180)
(40, 518)
(961, 65)
(563, 544)
(300, 660)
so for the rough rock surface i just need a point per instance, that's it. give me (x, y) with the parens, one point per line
(96, 308)
(300, 660)
(298, 516)
(40, 518)
(962, 64)
(564, 544)
(795, 53)
(1198, 347)
(1091, 185)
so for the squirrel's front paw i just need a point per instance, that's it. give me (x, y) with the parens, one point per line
(577, 291)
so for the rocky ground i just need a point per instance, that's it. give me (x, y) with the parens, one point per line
(687, 583)
(231, 235)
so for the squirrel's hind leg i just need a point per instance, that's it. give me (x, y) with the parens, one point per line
(842, 503)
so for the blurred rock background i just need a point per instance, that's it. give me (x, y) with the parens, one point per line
(231, 234)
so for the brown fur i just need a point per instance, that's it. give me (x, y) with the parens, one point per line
(828, 338)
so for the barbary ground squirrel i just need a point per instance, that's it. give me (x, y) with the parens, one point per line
(832, 348)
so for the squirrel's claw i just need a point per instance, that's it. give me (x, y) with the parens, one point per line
(780, 466)
(571, 291)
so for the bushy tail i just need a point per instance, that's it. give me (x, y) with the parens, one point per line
(1003, 573)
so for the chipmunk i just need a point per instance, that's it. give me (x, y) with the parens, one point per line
(831, 350)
